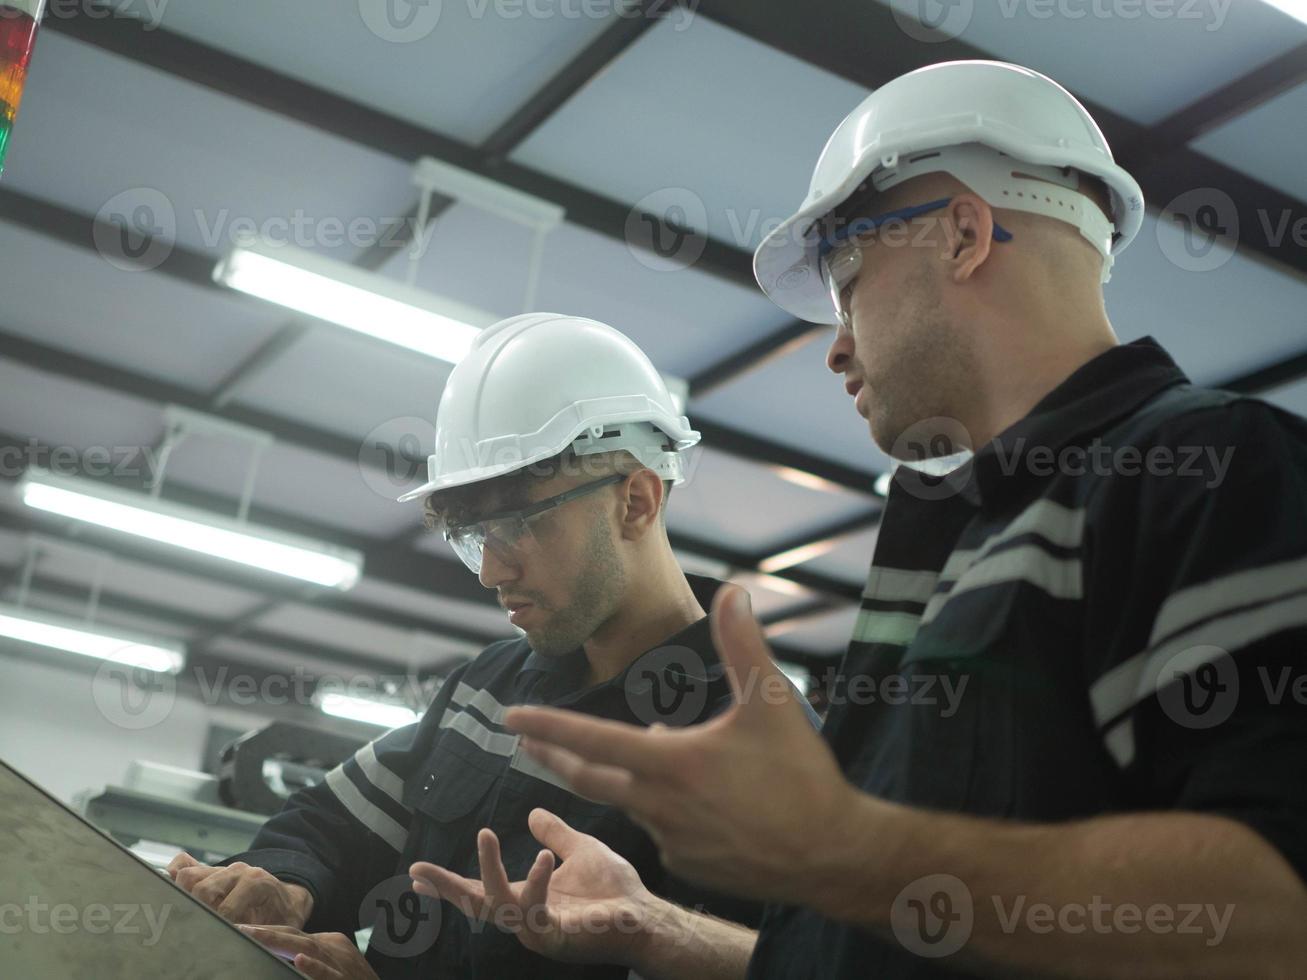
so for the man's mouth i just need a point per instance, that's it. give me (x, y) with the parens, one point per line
(853, 386)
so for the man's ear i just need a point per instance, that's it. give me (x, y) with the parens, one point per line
(969, 235)
(643, 502)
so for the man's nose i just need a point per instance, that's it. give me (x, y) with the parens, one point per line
(841, 350)
(495, 570)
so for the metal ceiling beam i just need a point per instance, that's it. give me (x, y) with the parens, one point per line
(324, 110)
(774, 345)
(863, 43)
(1227, 103)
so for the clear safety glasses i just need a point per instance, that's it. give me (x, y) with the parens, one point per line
(839, 253)
(508, 533)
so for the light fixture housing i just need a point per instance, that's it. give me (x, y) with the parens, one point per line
(354, 298)
(179, 526)
(89, 640)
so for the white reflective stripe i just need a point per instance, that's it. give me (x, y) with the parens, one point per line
(471, 728)
(378, 775)
(1056, 524)
(364, 811)
(957, 563)
(1059, 577)
(1130, 682)
(1120, 742)
(1197, 602)
(883, 627)
(482, 700)
(528, 766)
(900, 585)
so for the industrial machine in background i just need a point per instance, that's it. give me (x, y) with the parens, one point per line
(161, 809)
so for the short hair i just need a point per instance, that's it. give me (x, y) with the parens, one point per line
(458, 505)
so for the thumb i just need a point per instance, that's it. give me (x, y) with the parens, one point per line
(553, 832)
(741, 646)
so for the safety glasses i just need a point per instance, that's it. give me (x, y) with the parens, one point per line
(839, 253)
(508, 533)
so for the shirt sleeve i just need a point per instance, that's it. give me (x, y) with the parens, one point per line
(341, 837)
(1196, 594)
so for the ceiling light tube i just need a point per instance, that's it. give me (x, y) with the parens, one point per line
(354, 298)
(191, 528)
(74, 636)
(373, 712)
(797, 556)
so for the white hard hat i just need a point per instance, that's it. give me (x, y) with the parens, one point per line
(964, 118)
(535, 384)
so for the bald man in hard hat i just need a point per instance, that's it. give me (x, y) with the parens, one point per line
(557, 443)
(1113, 573)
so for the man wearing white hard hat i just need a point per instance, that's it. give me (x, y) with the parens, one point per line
(1104, 561)
(557, 443)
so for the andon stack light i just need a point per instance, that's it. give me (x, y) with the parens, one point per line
(18, 22)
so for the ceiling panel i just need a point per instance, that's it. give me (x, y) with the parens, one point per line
(1143, 60)
(459, 68)
(191, 165)
(297, 482)
(1292, 397)
(131, 579)
(683, 320)
(826, 632)
(142, 321)
(416, 600)
(334, 631)
(1170, 285)
(747, 507)
(733, 125)
(335, 379)
(1269, 143)
(796, 401)
(850, 560)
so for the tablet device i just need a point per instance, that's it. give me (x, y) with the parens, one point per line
(75, 903)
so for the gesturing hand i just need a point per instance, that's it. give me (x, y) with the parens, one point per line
(732, 803)
(592, 908)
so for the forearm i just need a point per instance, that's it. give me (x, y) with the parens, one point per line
(686, 945)
(1141, 895)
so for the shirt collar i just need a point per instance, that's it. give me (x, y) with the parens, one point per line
(1109, 387)
(572, 668)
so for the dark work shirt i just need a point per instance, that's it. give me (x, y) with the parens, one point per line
(1103, 611)
(421, 793)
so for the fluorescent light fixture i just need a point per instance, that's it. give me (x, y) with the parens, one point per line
(883, 483)
(386, 714)
(797, 556)
(191, 528)
(811, 481)
(73, 636)
(1294, 8)
(354, 298)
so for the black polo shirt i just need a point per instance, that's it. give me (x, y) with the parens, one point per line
(421, 793)
(1103, 611)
